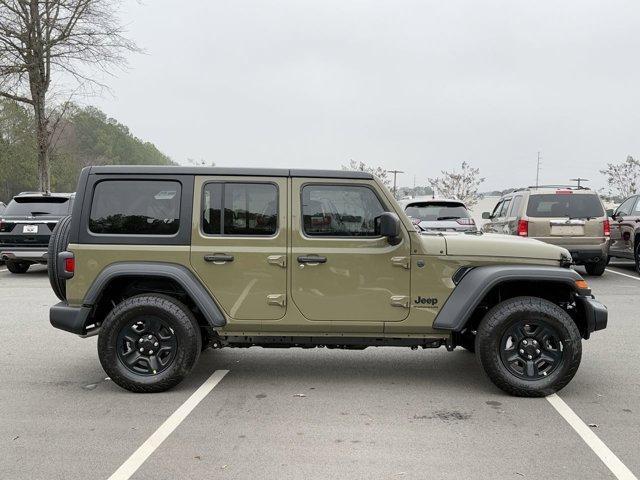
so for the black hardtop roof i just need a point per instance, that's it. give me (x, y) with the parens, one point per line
(247, 172)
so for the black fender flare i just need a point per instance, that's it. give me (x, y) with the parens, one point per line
(478, 282)
(178, 273)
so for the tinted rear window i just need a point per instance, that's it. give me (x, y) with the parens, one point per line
(136, 207)
(38, 206)
(564, 205)
(436, 211)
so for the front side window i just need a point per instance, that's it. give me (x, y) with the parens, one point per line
(496, 209)
(240, 209)
(340, 211)
(625, 207)
(136, 207)
(505, 208)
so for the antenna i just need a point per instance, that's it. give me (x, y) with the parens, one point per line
(578, 180)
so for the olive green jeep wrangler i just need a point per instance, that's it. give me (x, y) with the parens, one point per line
(162, 262)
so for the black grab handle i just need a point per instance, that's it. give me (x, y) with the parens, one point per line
(218, 258)
(311, 259)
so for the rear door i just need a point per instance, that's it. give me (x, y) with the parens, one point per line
(239, 244)
(358, 275)
(511, 224)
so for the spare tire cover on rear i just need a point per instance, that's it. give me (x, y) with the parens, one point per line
(58, 242)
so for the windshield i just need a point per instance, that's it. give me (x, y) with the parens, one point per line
(37, 206)
(564, 205)
(433, 211)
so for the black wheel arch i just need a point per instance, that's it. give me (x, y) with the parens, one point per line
(483, 287)
(123, 280)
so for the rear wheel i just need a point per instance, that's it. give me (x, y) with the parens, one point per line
(596, 269)
(149, 343)
(18, 267)
(529, 347)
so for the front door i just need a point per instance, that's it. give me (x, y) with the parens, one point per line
(239, 245)
(341, 269)
(622, 228)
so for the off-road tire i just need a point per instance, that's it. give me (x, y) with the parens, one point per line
(596, 269)
(636, 256)
(500, 318)
(171, 311)
(17, 267)
(58, 242)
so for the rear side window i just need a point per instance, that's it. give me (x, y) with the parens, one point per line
(340, 211)
(515, 206)
(136, 207)
(626, 206)
(433, 211)
(240, 209)
(564, 205)
(38, 206)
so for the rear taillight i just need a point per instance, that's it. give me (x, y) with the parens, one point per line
(523, 228)
(606, 228)
(70, 265)
(465, 221)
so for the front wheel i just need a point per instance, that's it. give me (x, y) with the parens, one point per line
(529, 347)
(149, 343)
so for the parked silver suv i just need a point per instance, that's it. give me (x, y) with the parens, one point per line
(570, 217)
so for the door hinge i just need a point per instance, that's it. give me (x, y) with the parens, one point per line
(280, 260)
(400, 301)
(277, 299)
(401, 262)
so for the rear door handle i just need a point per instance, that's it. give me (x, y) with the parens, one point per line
(311, 259)
(218, 258)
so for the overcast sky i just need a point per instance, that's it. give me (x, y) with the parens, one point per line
(417, 86)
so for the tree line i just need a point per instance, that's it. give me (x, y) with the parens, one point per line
(83, 136)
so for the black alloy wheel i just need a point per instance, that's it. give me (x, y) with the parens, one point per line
(147, 345)
(531, 350)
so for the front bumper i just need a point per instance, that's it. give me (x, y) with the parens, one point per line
(69, 319)
(594, 313)
(38, 255)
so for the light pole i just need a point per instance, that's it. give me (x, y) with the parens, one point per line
(395, 172)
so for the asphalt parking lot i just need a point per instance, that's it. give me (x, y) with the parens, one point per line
(294, 414)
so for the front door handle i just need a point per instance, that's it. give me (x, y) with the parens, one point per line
(311, 259)
(218, 258)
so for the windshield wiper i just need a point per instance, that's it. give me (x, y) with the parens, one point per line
(40, 213)
(448, 218)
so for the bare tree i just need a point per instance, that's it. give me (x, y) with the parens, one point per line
(461, 185)
(623, 178)
(40, 39)
(379, 172)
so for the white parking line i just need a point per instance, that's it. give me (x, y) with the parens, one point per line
(132, 464)
(623, 274)
(612, 462)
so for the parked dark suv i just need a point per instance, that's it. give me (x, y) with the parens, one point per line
(625, 230)
(26, 225)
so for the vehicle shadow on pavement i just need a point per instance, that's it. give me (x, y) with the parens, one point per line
(449, 372)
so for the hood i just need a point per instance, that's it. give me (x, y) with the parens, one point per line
(494, 245)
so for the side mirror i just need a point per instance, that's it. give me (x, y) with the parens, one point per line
(390, 227)
(486, 215)
(609, 212)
